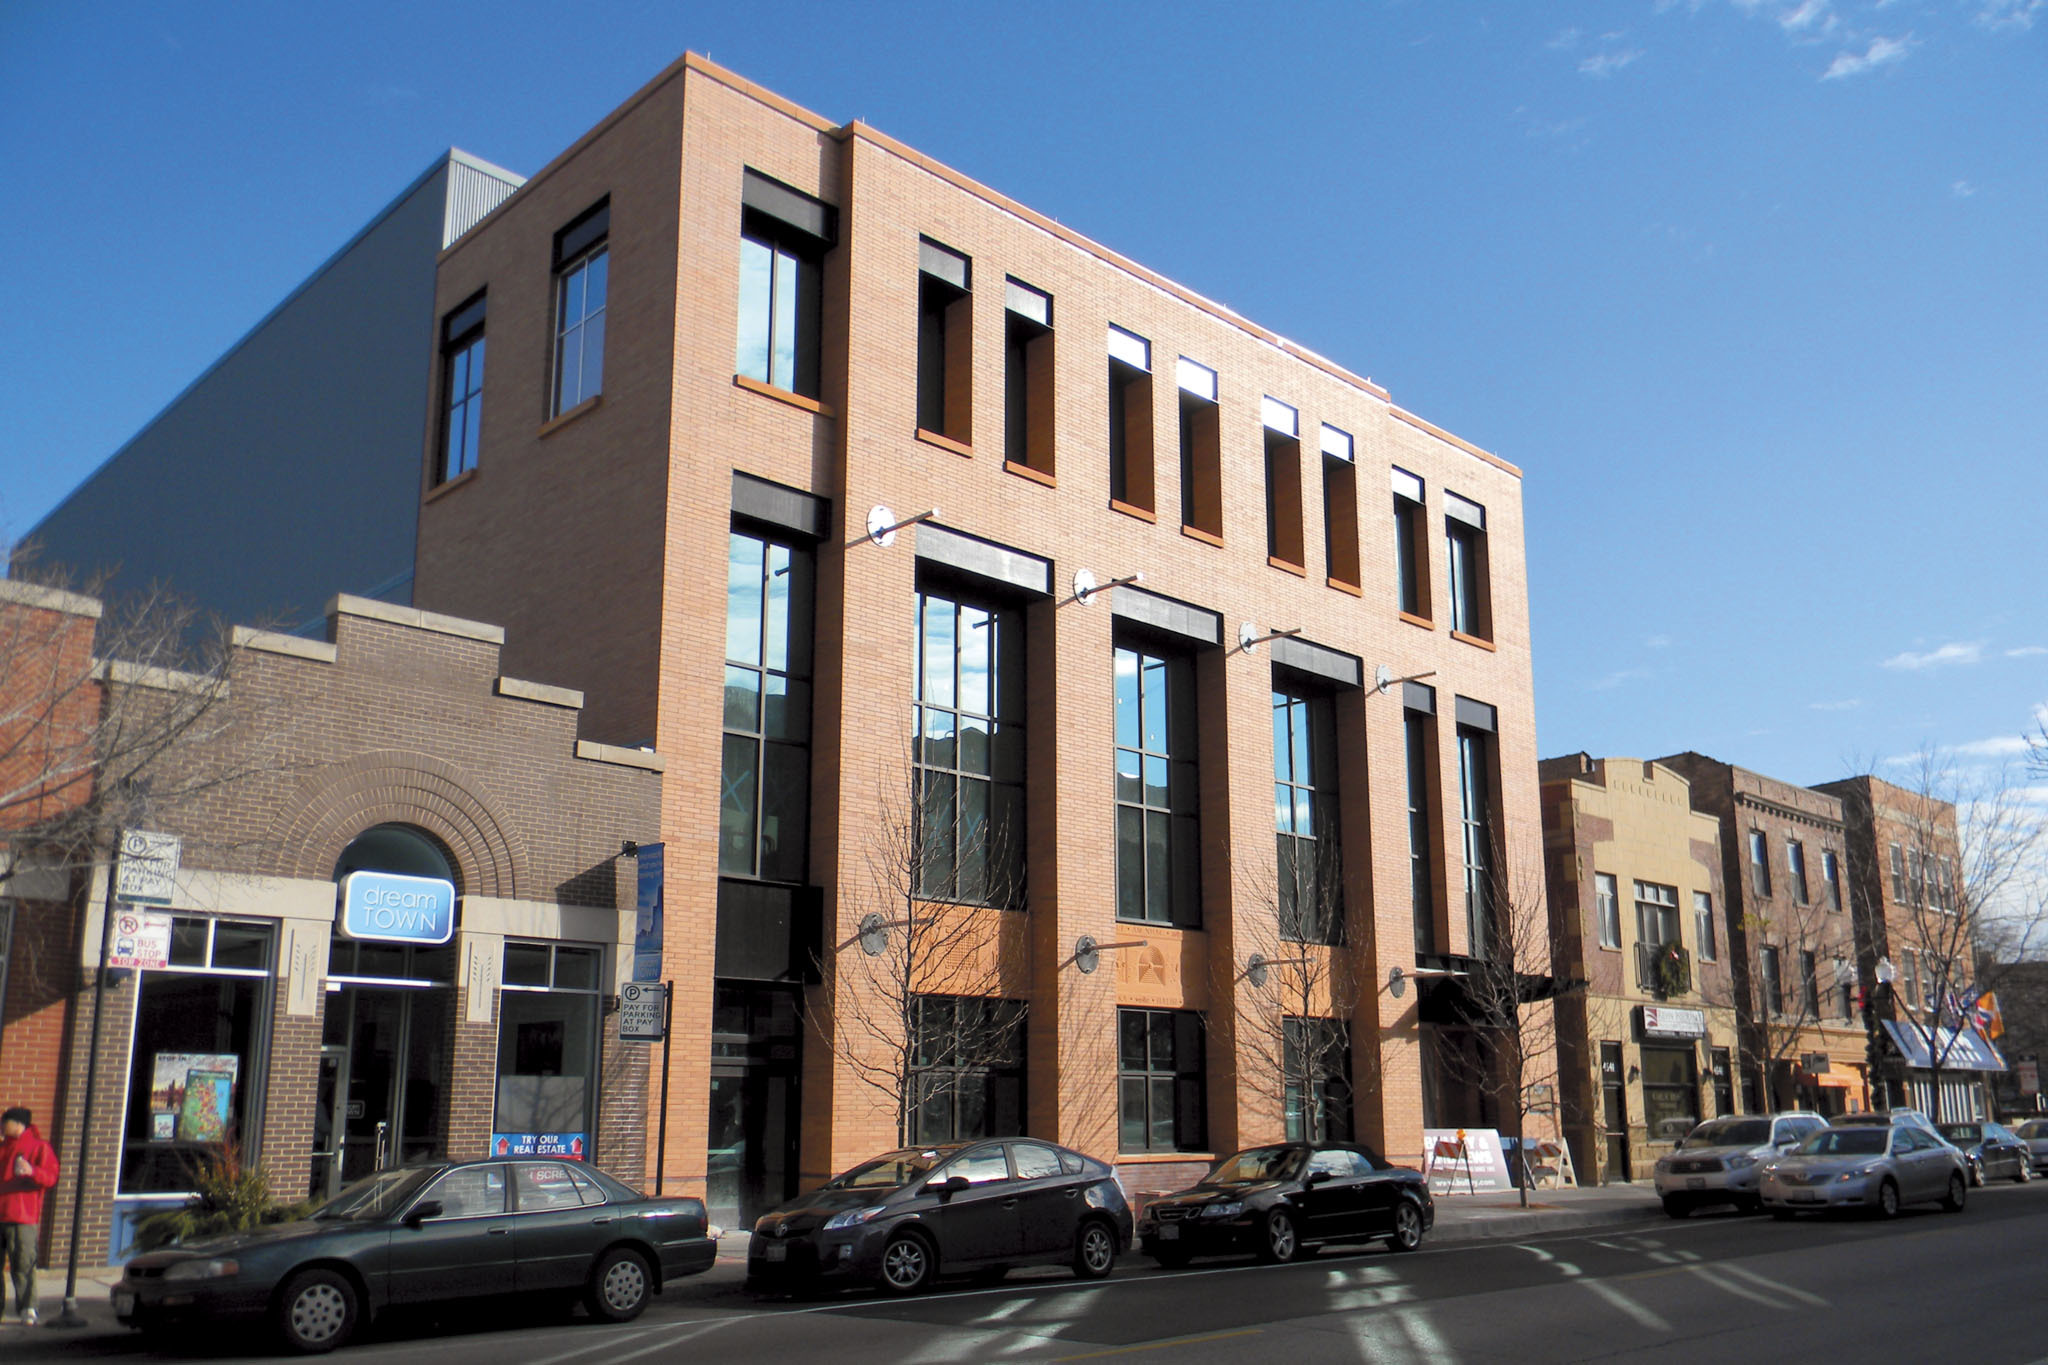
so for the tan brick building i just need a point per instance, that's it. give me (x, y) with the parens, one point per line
(1650, 1046)
(1791, 940)
(729, 339)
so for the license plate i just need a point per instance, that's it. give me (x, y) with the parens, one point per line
(124, 1303)
(1695, 1182)
(775, 1251)
(1169, 1233)
(1805, 1198)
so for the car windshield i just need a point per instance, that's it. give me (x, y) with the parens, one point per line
(1258, 1164)
(892, 1171)
(376, 1196)
(2037, 1128)
(1846, 1142)
(1962, 1132)
(1730, 1133)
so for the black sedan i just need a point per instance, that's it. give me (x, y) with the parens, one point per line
(1278, 1201)
(425, 1235)
(903, 1219)
(1994, 1151)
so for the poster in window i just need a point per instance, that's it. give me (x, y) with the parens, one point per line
(176, 1113)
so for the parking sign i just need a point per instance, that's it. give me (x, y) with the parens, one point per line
(642, 1011)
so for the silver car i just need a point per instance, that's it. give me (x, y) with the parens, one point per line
(2034, 1132)
(1865, 1167)
(1718, 1160)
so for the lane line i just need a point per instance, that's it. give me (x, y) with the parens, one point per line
(1642, 1314)
(605, 1344)
(675, 1340)
(1164, 1343)
(1790, 1291)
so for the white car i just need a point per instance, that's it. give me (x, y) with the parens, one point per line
(1718, 1160)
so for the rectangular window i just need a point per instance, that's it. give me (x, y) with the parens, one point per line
(764, 805)
(1916, 876)
(1795, 869)
(945, 340)
(1910, 961)
(1027, 378)
(1759, 863)
(1845, 990)
(1607, 909)
(1283, 482)
(1311, 892)
(1809, 985)
(1770, 983)
(462, 388)
(970, 751)
(1201, 452)
(1898, 874)
(1475, 807)
(582, 261)
(784, 235)
(1671, 1091)
(1340, 506)
(1703, 926)
(1317, 1080)
(1130, 421)
(967, 1073)
(1465, 546)
(1724, 1080)
(1420, 734)
(196, 1071)
(1656, 914)
(1161, 1103)
(548, 1039)
(1831, 878)
(1411, 567)
(1158, 834)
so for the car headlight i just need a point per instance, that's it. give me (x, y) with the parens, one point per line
(219, 1268)
(1770, 1168)
(853, 1218)
(1857, 1173)
(1741, 1162)
(1229, 1210)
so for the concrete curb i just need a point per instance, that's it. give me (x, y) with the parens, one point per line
(1501, 1222)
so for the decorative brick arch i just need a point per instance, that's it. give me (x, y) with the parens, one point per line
(402, 787)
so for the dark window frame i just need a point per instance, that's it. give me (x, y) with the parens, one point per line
(1157, 787)
(776, 739)
(462, 388)
(943, 717)
(1308, 860)
(1181, 1076)
(582, 253)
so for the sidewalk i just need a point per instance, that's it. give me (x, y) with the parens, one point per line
(1480, 1217)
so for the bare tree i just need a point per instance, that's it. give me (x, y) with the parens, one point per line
(916, 995)
(1297, 992)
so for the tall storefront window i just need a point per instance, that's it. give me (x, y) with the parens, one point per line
(1161, 1102)
(196, 1067)
(1317, 1095)
(968, 1077)
(1310, 892)
(1671, 1091)
(548, 1016)
(970, 751)
(1158, 839)
(1475, 806)
(1419, 736)
(764, 811)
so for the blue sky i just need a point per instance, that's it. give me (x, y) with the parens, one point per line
(1754, 291)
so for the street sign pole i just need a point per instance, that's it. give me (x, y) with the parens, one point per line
(668, 1014)
(71, 1317)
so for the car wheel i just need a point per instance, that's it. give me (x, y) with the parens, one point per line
(907, 1264)
(2021, 1174)
(1407, 1227)
(1094, 1250)
(1976, 1176)
(1279, 1238)
(619, 1286)
(1953, 1202)
(316, 1311)
(1888, 1198)
(1172, 1258)
(1782, 1215)
(1676, 1208)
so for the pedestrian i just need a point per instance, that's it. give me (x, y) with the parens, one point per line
(28, 1166)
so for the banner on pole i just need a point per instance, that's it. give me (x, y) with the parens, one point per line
(647, 923)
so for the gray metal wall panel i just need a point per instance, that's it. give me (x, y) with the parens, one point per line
(984, 559)
(1319, 660)
(1165, 613)
(472, 193)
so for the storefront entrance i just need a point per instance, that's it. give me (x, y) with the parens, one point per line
(756, 1059)
(383, 1075)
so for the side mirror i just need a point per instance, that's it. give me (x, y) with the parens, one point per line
(1317, 1178)
(952, 1185)
(420, 1212)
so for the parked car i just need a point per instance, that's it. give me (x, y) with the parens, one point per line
(1716, 1163)
(1992, 1150)
(2034, 1132)
(428, 1234)
(905, 1218)
(1277, 1201)
(1885, 1119)
(1865, 1166)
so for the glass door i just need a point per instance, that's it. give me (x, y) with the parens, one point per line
(329, 1114)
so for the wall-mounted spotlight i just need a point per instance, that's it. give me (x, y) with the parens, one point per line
(883, 525)
(1088, 953)
(1085, 586)
(1258, 967)
(1249, 639)
(1397, 982)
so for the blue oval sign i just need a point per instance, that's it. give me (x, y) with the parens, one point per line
(384, 907)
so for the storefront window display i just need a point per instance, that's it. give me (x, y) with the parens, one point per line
(1671, 1092)
(196, 1066)
(548, 1021)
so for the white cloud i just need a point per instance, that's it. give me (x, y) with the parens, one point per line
(1617, 678)
(1811, 14)
(1958, 653)
(1603, 64)
(1962, 189)
(1846, 704)
(2027, 652)
(1882, 52)
(1565, 38)
(2000, 15)
(1999, 746)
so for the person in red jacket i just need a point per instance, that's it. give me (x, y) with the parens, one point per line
(28, 1166)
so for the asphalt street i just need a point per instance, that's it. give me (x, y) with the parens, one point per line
(1722, 1289)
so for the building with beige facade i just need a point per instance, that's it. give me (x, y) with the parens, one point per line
(1649, 1045)
(876, 501)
